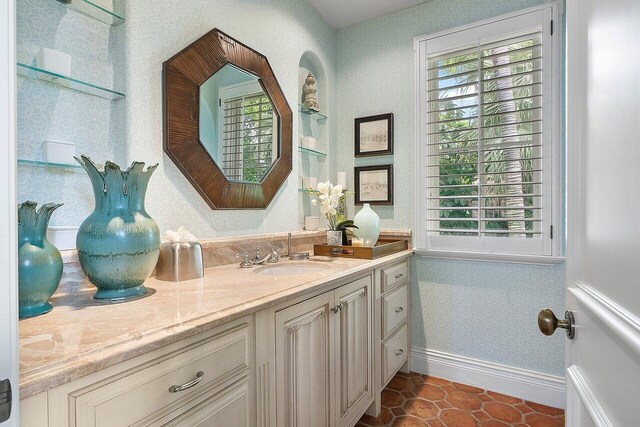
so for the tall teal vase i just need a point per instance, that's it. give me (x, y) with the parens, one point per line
(39, 262)
(118, 244)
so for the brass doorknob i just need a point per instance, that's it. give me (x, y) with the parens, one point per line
(548, 323)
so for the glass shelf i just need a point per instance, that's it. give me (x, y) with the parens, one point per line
(94, 11)
(67, 82)
(311, 152)
(38, 163)
(315, 115)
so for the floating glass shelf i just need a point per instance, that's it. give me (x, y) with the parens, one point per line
(67, 82)
(312, 152)
(315, 115)
(39, 163)
(94, 11)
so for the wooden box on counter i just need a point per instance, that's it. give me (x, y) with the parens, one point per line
(383, 247)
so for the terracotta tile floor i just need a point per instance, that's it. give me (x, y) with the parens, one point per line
(419, 400)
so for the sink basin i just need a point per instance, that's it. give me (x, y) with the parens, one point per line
(291, 269)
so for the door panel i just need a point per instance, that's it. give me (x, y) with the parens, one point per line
(602, 228)
(353, 349)
(304, 362)
(8, 223)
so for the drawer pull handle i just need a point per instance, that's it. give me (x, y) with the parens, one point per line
(399, 352)
(399, 276)
(399, 310)
(187, 386)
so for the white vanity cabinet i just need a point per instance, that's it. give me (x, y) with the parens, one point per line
(203, 380)
(319, 358)
(323, 358)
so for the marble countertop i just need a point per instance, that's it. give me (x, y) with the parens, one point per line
(81, 335)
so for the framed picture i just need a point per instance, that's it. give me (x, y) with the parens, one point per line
(374, 135)
(374, 184)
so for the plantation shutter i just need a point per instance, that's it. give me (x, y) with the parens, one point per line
(247, 137)
(487, 137)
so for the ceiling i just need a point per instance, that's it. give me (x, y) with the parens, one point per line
(344, 13)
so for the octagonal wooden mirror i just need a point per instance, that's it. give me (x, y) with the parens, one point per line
(227, 123)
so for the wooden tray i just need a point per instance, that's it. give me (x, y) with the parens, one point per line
(383, 247)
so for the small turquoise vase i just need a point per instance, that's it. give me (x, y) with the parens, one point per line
(39, 262)
(368, 223)
(118, 244)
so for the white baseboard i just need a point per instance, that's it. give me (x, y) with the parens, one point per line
(521, 383)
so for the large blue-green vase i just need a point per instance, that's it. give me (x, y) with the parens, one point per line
(118, 244)
(39, 262)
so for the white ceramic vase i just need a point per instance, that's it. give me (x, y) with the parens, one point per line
(334, 238)
(368, 223)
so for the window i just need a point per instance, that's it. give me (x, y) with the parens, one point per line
(248, 134)
(488, 155)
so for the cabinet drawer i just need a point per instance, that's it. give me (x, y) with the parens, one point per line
(145, 394)
(228, 407)
(395, 275)
(394, 354)
(394, 310)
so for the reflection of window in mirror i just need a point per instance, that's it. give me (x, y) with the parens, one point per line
(248, 132)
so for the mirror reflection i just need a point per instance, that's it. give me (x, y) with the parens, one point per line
(238, 124)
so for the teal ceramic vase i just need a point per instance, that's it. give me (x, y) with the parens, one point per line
(368, 223)
(118, 244)
(39, 262)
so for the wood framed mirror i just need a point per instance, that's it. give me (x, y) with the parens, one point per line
(227, 123)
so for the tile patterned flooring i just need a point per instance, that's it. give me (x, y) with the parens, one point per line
(419, 400)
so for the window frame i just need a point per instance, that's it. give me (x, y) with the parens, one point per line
(547, 250)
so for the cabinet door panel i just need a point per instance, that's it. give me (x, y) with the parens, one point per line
(353, 349)
(304, 363)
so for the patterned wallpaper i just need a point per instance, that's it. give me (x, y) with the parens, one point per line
(459, 307)
(129, 58)
(283, 30)
(47, 111)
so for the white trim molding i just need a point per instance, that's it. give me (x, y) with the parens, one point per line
(524, 384)
(479, 256)
(578, 385)
(618, 319)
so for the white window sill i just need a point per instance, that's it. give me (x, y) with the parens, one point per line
(508, 258)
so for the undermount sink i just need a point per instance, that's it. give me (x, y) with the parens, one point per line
(291, 269)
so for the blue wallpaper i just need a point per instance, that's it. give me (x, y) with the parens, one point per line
(460, 307)
(129, 58)
(47, 111)
(282, 30)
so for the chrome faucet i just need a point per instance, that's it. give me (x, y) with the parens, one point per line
(245, 260)
(271, 257)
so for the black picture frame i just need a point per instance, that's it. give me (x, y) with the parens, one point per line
(360, 199)
(362, 122)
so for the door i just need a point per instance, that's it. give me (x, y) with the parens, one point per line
(8, 225)
(304, 363)
(603, 239)
(353, 334)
